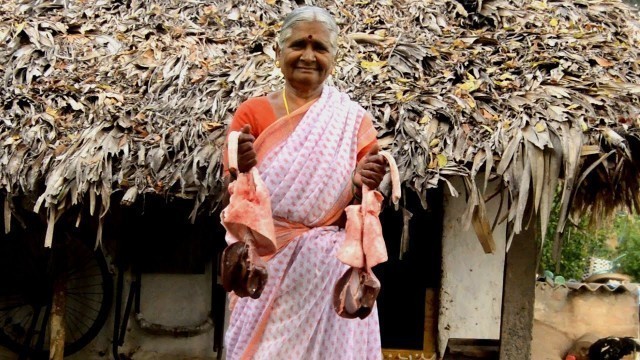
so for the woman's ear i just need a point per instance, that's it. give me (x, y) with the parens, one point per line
(333, 64)
(277, 59)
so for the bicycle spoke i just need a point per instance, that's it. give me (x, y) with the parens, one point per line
(84, 272)
(69, 331)
(76, 323)
(85, 306)
(78, 316)
(88, 276)
(34, 321)
(85, 287)
(77, 319)
(80, 268)
(93, 300)
(43, 330)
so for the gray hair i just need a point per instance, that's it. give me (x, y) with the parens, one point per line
(310, 13)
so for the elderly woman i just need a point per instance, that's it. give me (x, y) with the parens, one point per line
(314, 148)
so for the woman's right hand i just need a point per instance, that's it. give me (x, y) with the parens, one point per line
(247, 157)
(370, 170)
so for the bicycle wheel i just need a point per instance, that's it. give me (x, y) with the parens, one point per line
(25, 305)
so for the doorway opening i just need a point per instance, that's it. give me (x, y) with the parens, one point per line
(408, 300)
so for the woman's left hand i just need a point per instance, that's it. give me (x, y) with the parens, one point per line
(371, 169)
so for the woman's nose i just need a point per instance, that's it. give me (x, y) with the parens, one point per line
(308, 55)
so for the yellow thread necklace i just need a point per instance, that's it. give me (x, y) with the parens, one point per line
(284, 97)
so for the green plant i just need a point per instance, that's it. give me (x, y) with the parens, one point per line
(628, 231)
(580, 241)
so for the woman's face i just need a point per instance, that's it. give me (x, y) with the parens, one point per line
(306, 59)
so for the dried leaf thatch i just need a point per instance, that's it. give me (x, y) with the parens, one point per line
(135, 95)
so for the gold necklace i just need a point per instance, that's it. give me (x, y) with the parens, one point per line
(284, 97)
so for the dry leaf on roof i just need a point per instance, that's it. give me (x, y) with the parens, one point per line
(100, 96)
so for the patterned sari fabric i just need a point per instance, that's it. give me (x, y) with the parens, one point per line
(306, 160)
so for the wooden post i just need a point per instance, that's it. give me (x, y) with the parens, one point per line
(56, 350)
(430, 321)
(519, 297)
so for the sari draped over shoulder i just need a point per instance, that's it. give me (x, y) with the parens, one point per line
(306, 160)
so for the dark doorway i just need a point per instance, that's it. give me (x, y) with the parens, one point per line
(401, 303)
(158, 236)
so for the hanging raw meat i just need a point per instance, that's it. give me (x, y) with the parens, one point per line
(356, 291)
(248, 220)
(243, 272)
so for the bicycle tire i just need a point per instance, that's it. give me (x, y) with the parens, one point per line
(38, 348)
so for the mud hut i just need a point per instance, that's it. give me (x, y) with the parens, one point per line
(118, 104)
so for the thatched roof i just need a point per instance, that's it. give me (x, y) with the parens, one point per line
(109, 95)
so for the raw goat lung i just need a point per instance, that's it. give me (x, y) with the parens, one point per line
(355, 293)
(241, 275)
(248, 220)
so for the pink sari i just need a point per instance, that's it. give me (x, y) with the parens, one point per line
(306, 160)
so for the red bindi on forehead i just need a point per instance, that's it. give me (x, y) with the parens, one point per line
(310, 37)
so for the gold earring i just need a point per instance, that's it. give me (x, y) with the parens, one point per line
(277, 63)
